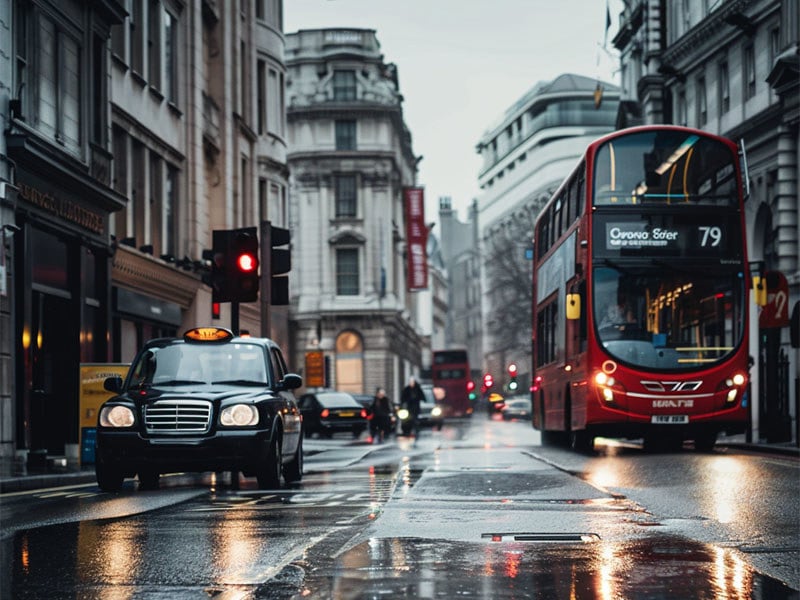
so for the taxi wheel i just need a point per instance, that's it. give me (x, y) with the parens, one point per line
(268, 472)
(148, 480)
(109, 476)
(293, 470)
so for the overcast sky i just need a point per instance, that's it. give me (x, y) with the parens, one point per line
(462, 63)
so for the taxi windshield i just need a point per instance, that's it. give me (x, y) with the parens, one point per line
(176, 364)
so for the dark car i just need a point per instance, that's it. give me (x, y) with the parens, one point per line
(430, 413)
(516, 407)
(208, 401)
(327, 413)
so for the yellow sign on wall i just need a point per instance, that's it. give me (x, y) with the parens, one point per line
(92, 393)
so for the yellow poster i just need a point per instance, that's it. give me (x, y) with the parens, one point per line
(92, 393)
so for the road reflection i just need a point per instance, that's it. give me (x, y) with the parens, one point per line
(664, 568)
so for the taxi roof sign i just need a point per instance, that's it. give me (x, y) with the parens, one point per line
(208, 334)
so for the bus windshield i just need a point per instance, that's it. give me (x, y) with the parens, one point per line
(668, 318)
(665, 167)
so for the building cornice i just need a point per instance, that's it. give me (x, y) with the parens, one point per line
(141, 272)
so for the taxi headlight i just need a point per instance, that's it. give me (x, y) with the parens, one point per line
(116, 416)
(239, 415)
(436, 411)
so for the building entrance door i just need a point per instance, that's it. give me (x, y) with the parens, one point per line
(54, 373)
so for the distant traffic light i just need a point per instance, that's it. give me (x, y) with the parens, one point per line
(471, 390)
(512, 373)
(488, 382)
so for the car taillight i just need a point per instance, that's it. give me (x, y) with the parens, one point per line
(363, 413)
(325, 413)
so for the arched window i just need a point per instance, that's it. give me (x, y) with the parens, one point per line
(350, 362)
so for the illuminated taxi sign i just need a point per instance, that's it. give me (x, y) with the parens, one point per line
(208, 334)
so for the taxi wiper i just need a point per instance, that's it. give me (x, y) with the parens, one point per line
(178, 382)
(240, 382)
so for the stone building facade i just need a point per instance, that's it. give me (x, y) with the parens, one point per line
(350, 160)
(132, 131)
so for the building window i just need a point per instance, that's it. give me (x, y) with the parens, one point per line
(345, 135)
(275, 97)
(345, 196)
(170, 245)
(724, 88)
(154, 46)
(171, 57)
(261, 90)
(702, 106)
(137, 32)
(682, 118)
(749, 72)
(349, 362)
(58, 107)
(344, 86)
(347, 280)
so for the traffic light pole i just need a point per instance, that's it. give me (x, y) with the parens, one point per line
(235, 317)
(266, 278)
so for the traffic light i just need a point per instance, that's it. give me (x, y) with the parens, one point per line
(280, 263)
(488, 382)
(471, 390)
(512, 373)
(243, 266)
(234, 265)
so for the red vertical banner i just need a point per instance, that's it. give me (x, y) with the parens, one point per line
(416, 238)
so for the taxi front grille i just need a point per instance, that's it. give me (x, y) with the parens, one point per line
(178, 416)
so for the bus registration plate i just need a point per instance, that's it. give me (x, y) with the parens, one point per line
(669, 419)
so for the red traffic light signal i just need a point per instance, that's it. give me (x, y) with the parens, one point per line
(246, 262)
(512, 370)
(488, 381)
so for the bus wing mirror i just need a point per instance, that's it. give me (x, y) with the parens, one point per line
(760, 290)
(573, 306)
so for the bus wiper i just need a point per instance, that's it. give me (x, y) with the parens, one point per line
(251, 382)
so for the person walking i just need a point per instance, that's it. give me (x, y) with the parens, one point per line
(381, 409)
(410, 398)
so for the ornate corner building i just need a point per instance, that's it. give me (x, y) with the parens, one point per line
(350, 160)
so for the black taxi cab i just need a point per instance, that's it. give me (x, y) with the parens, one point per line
(208, 401)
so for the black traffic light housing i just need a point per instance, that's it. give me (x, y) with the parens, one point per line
(234, 265)
(280, 263)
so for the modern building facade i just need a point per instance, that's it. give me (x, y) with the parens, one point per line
(134, 130)
(526, 154)
(733, 68)
(350, 159)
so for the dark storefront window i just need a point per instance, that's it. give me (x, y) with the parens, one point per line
(50, 259)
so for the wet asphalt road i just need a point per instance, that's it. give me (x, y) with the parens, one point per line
(479, 510)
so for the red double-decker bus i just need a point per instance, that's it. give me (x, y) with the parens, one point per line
(641, 291)
(450, 371)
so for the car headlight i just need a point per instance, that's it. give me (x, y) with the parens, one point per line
(239, 415)
(402, 414)
(116, 416)
(436, 411)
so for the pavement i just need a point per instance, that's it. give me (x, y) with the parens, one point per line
(17, 476)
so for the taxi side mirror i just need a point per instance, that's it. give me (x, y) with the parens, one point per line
(290, 381)
(573, 306)
(113, 384)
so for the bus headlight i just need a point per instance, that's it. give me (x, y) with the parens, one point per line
(239, 415)
(732, 395)
(116, 416)
(608, 394)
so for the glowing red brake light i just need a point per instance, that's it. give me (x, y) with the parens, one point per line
(325, 413)
(363, 413)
